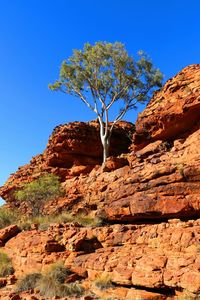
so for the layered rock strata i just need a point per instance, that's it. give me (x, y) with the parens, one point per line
(72, 149)
(147, 197)
(163, 257)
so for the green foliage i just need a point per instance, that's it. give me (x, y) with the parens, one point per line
(28, 282)
(5, 265)
(43, 222)
(39, 191)
(7, 217)
(88, 220)
(103, 75)
(108, 72)
(103, 281)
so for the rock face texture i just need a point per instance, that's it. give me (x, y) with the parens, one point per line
(148, 198)
(162, 256)
(72, 149)
(162, 179)
(173, 112)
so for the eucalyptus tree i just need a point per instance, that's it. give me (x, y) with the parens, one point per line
(103, 75)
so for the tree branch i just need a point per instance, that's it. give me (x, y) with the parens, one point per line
(85, 101)
(115, 97)
(119, 117)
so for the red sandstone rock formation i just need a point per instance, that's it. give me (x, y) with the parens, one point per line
(73, 149)
(152, 255)
(173, 112)
(163, 256)
(162, 178)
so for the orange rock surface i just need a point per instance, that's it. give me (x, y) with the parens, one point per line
(173, 112)
(72, 149)
(148, 198)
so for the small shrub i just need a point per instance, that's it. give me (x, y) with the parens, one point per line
(5, 265)
(28, 282)
(71, 289)
(103, 281)
(88, 220)
(7, 217)
(43, 222)
(36, 193)
(58, 272)
(49, 287)
(51, 284)
(64, 217)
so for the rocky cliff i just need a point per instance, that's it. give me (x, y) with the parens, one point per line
(148, 199)
(72, 150)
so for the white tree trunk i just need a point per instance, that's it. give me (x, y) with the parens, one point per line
(106, 145)
(105, 139)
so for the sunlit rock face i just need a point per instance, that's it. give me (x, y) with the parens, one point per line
(148, 197)
(72, 149)
(173, 112)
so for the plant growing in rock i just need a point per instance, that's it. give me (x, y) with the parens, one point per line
(52, 283)
(59, 272)
(88, 220)
(36, 193)
(104, 75)
(28, 282)
(7, 217)
(103, 281)
(5, 265)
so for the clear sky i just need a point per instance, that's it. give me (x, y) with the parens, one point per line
(36, 35)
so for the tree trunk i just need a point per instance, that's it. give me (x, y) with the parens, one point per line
(106, 145)
(105, 140)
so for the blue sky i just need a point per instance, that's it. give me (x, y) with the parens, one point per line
(35, 36)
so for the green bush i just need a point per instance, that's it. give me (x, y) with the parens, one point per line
(36, 193)
(28, 282)
(5, 265)
(7, 217)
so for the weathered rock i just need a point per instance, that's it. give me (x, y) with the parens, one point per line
(79, 143)
(160, 256)
(152, 256)
(128, 294)
(152, 188)
(113, 163)
(173, 112)
(3, 282)
(162, 181)
(9, 232)
(73, 149)
(33, 251)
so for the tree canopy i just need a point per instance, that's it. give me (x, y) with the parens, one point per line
(104, 74)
